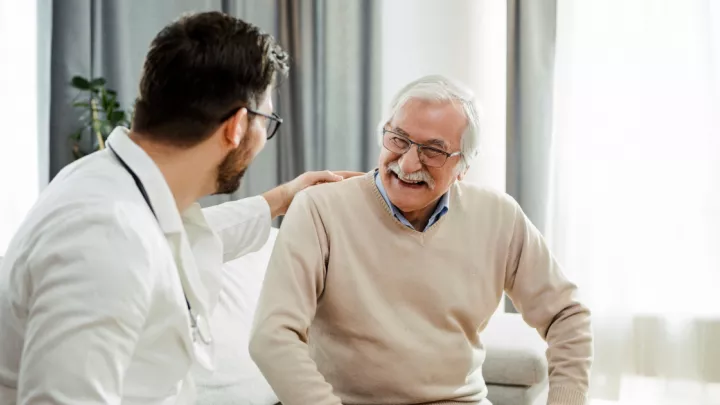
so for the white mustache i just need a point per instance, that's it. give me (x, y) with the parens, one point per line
(421, 175)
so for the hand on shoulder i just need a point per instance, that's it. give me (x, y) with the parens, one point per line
(280, 197)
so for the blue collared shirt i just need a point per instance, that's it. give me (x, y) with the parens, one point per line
(440, 210)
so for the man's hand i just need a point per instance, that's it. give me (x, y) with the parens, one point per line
(280, 197)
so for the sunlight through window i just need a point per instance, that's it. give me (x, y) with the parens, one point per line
(18, 114)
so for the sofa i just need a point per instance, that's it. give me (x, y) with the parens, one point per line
(515, 368)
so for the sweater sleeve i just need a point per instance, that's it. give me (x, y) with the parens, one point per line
(286, 307)
(548, 302)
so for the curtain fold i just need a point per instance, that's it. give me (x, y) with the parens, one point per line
(331, 97)
(530, 78)
(531, 35)
(330, 102)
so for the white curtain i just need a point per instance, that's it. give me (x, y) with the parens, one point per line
(635, 210)
(19, 173)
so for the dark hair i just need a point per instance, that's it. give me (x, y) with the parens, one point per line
(198, 70)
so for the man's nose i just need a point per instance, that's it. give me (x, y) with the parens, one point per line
(410, 161)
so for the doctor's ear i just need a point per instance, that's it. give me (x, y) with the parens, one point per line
(236, 127)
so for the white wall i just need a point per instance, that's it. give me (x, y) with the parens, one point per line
(18, 114)
(464, 39)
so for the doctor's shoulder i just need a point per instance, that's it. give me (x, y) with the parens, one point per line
(95, 182)
(94, 176)
(93, 236)
(90, 199)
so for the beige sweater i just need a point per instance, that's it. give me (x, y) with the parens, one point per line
(357, 308)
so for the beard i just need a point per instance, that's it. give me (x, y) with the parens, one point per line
(232, 169)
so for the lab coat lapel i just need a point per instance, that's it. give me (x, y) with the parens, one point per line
(207, 249)
(202, 251)
(195, 293)
(172, 225)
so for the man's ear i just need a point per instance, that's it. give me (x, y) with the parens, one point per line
(461, 174)
(236, 128)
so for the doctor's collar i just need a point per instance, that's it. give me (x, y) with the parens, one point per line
(158, 191)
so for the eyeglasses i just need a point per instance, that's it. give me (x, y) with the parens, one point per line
(428, 155)
(273, 121)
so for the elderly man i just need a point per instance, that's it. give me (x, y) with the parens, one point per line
(379, 286)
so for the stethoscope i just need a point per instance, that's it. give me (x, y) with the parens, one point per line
(200, 326)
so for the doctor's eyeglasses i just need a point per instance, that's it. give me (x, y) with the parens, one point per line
(273, 121)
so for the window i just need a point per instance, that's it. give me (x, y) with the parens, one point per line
(18, 114)
(636, 185)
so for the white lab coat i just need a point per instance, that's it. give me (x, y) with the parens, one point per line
(92, 309)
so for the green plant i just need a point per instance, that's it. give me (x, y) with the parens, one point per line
(101, 113)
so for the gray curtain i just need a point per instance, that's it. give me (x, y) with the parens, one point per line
(530, 66)
(330, 102)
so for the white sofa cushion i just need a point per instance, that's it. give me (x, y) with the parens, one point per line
(236, 379)
(515, 352)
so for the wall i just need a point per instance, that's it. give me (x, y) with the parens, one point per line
(464, 39)
(19, 176)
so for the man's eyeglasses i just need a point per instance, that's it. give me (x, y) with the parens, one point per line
(428, 155)
(273, 121)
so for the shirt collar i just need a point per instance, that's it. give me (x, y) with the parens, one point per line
(441, 209)
(158, 191)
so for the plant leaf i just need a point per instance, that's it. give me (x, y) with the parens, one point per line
(77, 135)
(80, 83)
(100, 112)
(98, 82)
(105, 101)
(116, 116)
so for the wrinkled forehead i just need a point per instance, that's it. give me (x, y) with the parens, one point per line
(431, 121)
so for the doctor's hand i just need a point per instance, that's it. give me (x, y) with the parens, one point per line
(280, 197)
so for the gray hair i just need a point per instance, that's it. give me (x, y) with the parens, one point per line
(440, 88)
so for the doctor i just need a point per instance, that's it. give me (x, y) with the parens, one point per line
(106, 288)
